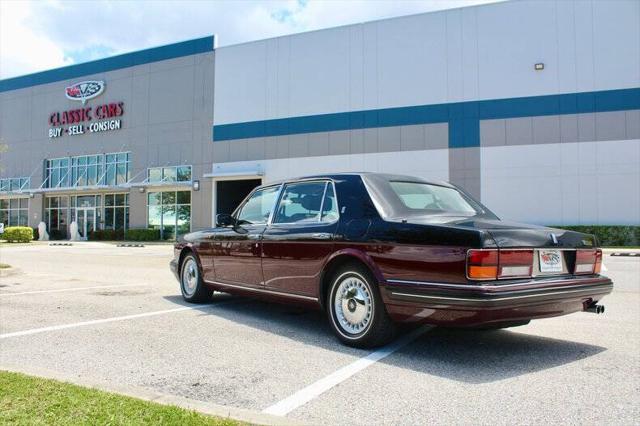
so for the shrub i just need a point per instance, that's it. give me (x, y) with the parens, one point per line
(107, 235)
(18, 234)
(609, 235)
(36, 234)
(143, 234)
(58, 234)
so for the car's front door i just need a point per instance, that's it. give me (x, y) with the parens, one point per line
(236, 249)
(297, 243)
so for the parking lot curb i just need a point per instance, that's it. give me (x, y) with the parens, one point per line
(240, 414)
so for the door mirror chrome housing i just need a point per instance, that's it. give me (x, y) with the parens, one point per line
(224, 220)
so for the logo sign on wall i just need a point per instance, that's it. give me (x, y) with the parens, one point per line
(86, 119)
(84, 90)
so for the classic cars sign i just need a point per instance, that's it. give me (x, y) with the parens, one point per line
(84, 90)
(86, 119)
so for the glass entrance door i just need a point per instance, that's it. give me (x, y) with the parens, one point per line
(86, 217)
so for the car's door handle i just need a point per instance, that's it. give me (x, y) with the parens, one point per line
(321, 236)
(254, 236)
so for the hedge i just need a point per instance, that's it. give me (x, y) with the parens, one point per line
(107, 235)
(121, 234)
(98, 235)
(58, 234)
(609, 235)
(143, 235)
(18, 234)
(54, 234)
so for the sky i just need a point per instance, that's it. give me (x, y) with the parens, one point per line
(44, 34)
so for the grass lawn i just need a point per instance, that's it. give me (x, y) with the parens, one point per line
(31, 400)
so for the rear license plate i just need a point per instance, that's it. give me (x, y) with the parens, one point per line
(550, 261)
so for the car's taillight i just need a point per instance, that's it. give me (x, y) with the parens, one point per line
(588, 261)
(495, 264)
(515, 263)
(482, 264)
(598, 266)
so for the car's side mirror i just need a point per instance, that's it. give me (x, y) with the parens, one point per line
(224, 219)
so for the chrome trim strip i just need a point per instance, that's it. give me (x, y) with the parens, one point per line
(473, 287)
(259, 290)
(496, 299)
(432, 284)
(274, 207)
(254, 190)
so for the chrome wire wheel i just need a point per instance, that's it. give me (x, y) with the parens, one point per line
(190, 277)
(353, 305)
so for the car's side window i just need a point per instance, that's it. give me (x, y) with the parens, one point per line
(301, 203)
(330, 205)
(258, 207)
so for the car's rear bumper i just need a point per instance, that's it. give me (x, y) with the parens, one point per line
(451, 304)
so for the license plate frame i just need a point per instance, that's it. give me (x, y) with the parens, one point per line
(550, 261)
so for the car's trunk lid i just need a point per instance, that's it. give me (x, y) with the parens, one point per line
(512, 234)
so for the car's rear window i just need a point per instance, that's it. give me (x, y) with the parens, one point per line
(432, 199)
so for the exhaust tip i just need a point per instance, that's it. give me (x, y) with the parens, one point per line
(594, 308)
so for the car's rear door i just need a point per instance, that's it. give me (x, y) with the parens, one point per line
(237, 249)
(300, 237)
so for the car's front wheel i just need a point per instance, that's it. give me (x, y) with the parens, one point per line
(191, 284)
(355, 309)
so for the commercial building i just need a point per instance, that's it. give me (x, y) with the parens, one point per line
(114, 143)
(533, 107)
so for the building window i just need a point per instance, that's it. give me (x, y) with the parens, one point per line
(15, 184)
(88, 170)
(169, 174)
(118, 168)
(116, 211)
(57, 173)
(170, 212)
(56, 215)
(14, 212)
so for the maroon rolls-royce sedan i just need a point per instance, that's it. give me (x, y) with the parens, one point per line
(375, 249)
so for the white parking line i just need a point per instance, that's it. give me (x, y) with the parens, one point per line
(100, 321)
(298, 399)
(59, 290)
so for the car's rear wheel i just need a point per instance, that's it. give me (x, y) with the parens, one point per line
(355, 309)
(191, 284)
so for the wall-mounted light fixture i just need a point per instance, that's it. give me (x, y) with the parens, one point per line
(142, 189)
(196, 185)
(539, 66)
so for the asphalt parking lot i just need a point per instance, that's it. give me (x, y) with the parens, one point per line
(113, 317)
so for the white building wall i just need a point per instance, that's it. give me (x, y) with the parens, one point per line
(429, 164)
(581, 183)
(473, 53)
